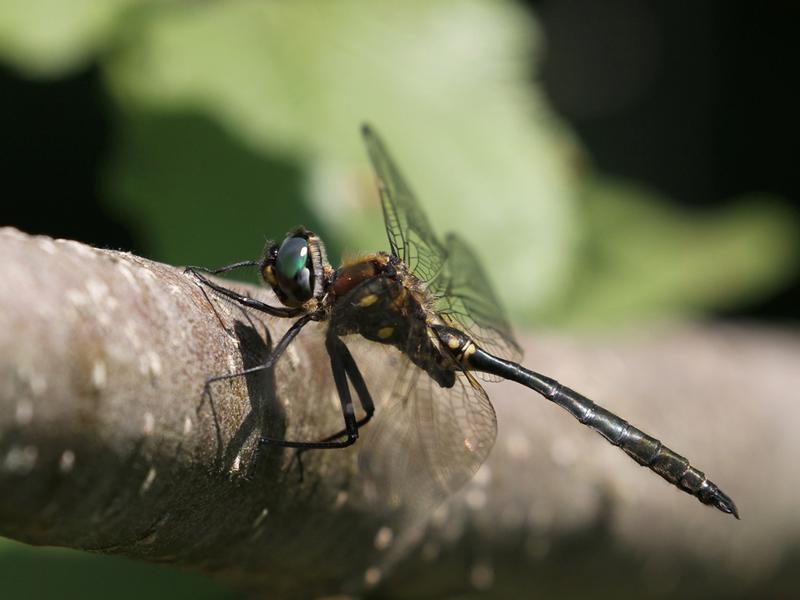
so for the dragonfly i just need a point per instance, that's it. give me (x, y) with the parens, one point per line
(432, 303)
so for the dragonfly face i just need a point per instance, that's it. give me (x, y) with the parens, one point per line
(297, 269)
(432, 302)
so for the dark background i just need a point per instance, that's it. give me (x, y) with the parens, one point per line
(711, 109)
(694, 99)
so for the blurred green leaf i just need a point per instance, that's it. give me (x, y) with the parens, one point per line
(199, 194)
(49, 37)
(643, 260)
(42, 573)
(447, 84)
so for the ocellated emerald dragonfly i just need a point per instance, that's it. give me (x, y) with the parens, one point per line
(431, 301)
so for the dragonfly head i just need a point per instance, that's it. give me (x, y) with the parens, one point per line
(296, 268)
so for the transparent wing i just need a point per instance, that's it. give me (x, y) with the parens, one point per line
(465, 298)
(410, 235)
(451, 271)
(428, 441)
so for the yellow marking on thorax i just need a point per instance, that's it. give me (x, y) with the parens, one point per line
(385, 332)
(367, 300)
(269, 276)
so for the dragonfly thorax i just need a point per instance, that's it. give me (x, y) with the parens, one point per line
(378, 299)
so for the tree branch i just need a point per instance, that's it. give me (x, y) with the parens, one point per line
(107, 444)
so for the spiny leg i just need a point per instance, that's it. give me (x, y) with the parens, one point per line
(276, 353)
(273, 357)
(360, 386)
(194, 271)
(275, 311)
(362, 392)
(364, 398)
(334, 346)
(216, 312)
(644, 449)
(231, 267)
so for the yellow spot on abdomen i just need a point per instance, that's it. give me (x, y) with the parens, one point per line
(367, 300)
(468, 351)
(453, 343)
(385, 332)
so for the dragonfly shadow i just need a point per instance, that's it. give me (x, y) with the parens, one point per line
(266, 416)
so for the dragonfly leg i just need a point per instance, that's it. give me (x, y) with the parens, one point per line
(364, 398)
(273, 357)
(231, 267)
(275, 311)
(338, 366)
(362, 392)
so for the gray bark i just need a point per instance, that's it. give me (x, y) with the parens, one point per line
(108, 445)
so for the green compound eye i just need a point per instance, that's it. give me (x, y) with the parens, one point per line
(292, 271)
(292, 257)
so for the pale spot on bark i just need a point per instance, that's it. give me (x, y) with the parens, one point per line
(97, 290)
(67, 461)
(372, 576)
(341, 498)
(481, 575)
(99, 375)
(24, 412)
(149, 423)
(476, 498)
(154, 361)
(383, 538)
(21, 459)
(148, 480)
(261, 516)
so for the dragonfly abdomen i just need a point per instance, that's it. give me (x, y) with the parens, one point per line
(644, 449)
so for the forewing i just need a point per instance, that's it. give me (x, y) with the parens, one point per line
(465, 298)
(428, 441)
(410, 234)
(451, 271)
